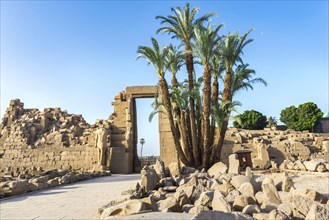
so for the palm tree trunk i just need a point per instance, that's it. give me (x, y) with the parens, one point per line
(206, 115)
(184, 137)
(174, 131)
(227, 96)
(174, 81)
(214, 100)
(190, 69)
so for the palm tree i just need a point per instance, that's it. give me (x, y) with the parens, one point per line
(142, 142)
(272, 122)
(217, 69)
(230, 49)
(182, 24)
(206, 40)
(242, 79)
(174, 60)
(156, 57)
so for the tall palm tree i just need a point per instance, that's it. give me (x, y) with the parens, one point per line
(174, 60)
(204, 47)
(156, 57)
(182, 24)
(230, 49)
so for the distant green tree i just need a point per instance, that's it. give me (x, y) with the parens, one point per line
(305, 117)
(289, 116)
(252, 120)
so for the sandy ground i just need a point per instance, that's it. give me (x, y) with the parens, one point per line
(79, 200)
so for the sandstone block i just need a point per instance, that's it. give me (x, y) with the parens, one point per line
(318, 211)
(251, 209)
(219, 203)
(217, 168)
(270, 193)
(234, 165)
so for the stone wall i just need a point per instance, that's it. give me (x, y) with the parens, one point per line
(51, 139)
(280, 145)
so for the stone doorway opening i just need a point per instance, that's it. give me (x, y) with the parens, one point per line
(148, 131)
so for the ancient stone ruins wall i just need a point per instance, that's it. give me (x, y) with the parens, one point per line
(51, 139)
(276, 146)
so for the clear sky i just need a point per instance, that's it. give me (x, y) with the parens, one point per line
(78, 54)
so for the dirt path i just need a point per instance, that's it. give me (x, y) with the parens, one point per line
(79, 200)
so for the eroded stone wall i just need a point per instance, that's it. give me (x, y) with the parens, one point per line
(51, 139)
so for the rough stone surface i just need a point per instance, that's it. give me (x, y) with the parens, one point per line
(234, 166)
(270, 193)
(206, 215)
(217, 168)
(219, 203)
(318, 211)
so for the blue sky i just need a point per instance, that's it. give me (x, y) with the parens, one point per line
(79, 54)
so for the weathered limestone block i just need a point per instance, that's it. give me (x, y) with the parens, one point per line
(205, 198)
(217, 168)
(318, 211)
(15, 187)
(150, 178)
(234, 166)
(159, 168)
(270, 193)
(313, 164)
(170, 204)
(174, 169)
(129, 207)
(219, 203)
(276, 214)
(302, 204)
(242, 201)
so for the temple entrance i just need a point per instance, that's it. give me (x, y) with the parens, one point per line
(147, 133)
(125, 139)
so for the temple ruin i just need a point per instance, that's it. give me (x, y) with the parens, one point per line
(33, 140)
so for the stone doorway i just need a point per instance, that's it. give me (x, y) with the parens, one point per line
(148, 130)
(123, 156)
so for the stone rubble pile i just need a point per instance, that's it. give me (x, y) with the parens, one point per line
(220, 193)
(270, 146)
(47, 179)
(313, 165)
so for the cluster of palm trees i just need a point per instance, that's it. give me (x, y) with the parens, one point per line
(196, 107)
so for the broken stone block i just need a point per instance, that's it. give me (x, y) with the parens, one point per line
(174, 169)
(242, 201)
(270, 193)
(276, 214)
(313, 164)
(170, 204)
(217, 168)
(150, 178)
(318, 211)
(219, 203)
(129, 207)
(234, 165)
(205, 198)
(251, 209)
(198, 209)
